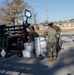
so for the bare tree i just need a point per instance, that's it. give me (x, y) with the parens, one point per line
(12, 10)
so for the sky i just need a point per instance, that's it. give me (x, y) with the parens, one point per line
(57, 9)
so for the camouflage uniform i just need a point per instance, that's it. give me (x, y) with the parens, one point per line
(58, 30)
(59, 44)
(32, 34)
(51, 45)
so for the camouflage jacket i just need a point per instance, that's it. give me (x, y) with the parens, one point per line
(51, 35)
(57, 29)
(32, 35)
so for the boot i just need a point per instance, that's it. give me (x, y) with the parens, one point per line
(50, 59)
(54, 58)
(62, 48)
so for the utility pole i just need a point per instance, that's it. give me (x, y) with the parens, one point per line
(47, 11)
(34, 16)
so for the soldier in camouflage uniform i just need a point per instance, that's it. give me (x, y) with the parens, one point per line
(32, 34)
(58, 30)
(51, 42)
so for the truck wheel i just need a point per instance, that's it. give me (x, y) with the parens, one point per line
(40, 57)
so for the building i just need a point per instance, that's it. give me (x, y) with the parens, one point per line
(65, 25)
(62, 25)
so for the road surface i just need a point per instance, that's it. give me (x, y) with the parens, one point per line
(64, 65)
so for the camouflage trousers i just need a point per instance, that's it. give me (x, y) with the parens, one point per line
(51, 47)
(59, 41)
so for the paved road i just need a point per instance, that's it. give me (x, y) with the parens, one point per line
(64, 65)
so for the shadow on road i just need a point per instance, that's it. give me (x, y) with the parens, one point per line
(25, 66)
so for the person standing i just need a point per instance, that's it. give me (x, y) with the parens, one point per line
(32, 35)
(51, 42)
(58, 30)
